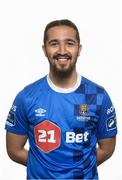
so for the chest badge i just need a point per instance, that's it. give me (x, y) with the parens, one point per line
(83, 109)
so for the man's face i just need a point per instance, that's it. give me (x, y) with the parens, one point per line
(62, 50)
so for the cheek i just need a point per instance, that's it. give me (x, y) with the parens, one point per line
(50, 52)
(75, 54)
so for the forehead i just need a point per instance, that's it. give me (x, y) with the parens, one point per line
(61, 32)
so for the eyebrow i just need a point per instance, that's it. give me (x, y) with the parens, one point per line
(56, 40)
(71, 40)
(53, 40)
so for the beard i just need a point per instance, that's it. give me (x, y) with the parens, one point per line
(63, 72)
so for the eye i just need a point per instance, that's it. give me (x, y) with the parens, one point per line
(70, 43)
(53, 44)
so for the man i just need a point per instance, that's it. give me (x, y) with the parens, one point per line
(69, 120)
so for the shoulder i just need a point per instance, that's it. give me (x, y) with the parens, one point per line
(92, 86)
(93, 90)
(32, 89)
(35, 86)
(89, 87)
(95, 93)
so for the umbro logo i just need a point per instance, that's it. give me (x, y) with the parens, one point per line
(40, 112)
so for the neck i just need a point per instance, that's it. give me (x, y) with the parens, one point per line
(64, 82)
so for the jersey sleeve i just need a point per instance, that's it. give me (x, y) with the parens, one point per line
(17, 119)
(107, 126)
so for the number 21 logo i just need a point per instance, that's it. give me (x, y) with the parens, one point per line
(47, 136)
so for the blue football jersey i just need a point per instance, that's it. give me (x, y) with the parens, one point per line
(63, 127)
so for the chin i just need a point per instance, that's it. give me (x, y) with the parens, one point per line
(64, 73)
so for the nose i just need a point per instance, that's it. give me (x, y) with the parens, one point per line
(62, 49)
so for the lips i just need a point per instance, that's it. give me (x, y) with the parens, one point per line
(62, 58)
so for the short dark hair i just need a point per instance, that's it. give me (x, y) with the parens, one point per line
(62, 22)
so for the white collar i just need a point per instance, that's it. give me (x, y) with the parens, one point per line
(63, 90)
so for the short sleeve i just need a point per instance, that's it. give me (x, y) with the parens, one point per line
(107, 126)
(17, 119)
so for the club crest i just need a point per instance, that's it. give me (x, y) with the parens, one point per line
(83, 109)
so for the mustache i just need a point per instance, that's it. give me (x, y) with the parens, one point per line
(56, 56)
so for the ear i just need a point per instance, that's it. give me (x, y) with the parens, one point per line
(80, 48)
(44, 50)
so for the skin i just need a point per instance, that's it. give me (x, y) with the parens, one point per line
(15, 148)
(62, 51)
(62, 43)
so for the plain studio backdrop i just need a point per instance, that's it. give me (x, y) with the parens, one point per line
(22, 61)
